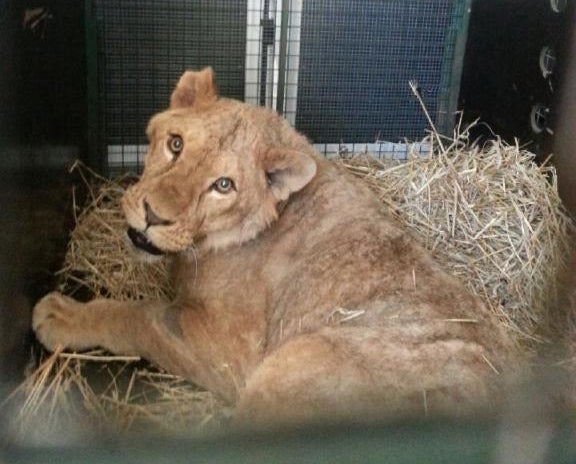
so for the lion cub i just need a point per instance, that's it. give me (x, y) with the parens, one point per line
(298, 297)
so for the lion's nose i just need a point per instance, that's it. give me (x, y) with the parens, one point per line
(152, 219)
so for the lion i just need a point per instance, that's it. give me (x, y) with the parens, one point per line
(298, 297)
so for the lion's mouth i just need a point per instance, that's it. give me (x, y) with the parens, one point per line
(141, 241)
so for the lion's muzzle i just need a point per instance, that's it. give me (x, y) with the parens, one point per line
(141, 241)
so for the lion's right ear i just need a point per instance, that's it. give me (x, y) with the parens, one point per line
(287, 171)
(195, 88)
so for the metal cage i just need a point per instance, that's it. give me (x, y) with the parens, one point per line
(338, 70)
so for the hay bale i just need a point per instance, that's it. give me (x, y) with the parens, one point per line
(490, 214)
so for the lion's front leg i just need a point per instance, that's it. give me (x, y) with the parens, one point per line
(150, 329)
(60, 321)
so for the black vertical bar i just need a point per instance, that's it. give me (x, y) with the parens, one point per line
(282, 57)
(95, 154)
(264, 52)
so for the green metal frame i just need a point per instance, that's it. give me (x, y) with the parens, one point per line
(433, 442)
(95, 157)
(453, 65)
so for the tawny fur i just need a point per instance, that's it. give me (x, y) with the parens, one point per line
(299, 298)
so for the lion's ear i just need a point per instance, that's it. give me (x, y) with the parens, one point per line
(288, 171)
(195, 88)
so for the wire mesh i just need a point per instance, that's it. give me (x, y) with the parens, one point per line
(143, 47)
(337, 69)
(356, 59)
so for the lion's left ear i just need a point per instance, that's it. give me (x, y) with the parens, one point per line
(288, 171)
(195, 88)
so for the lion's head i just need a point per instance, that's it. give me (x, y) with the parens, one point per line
(215, 171)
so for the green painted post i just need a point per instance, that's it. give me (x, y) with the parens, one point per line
(453, 64)
(95, 150)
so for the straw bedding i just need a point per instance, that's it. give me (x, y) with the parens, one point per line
(490, 214)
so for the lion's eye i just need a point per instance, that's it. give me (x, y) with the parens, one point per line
(175, 144)
(223, 185)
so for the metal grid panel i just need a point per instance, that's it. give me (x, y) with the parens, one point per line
(356, 59)
(337, 69)
(144, 46)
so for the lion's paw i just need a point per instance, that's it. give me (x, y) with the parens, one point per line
(56, 321)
